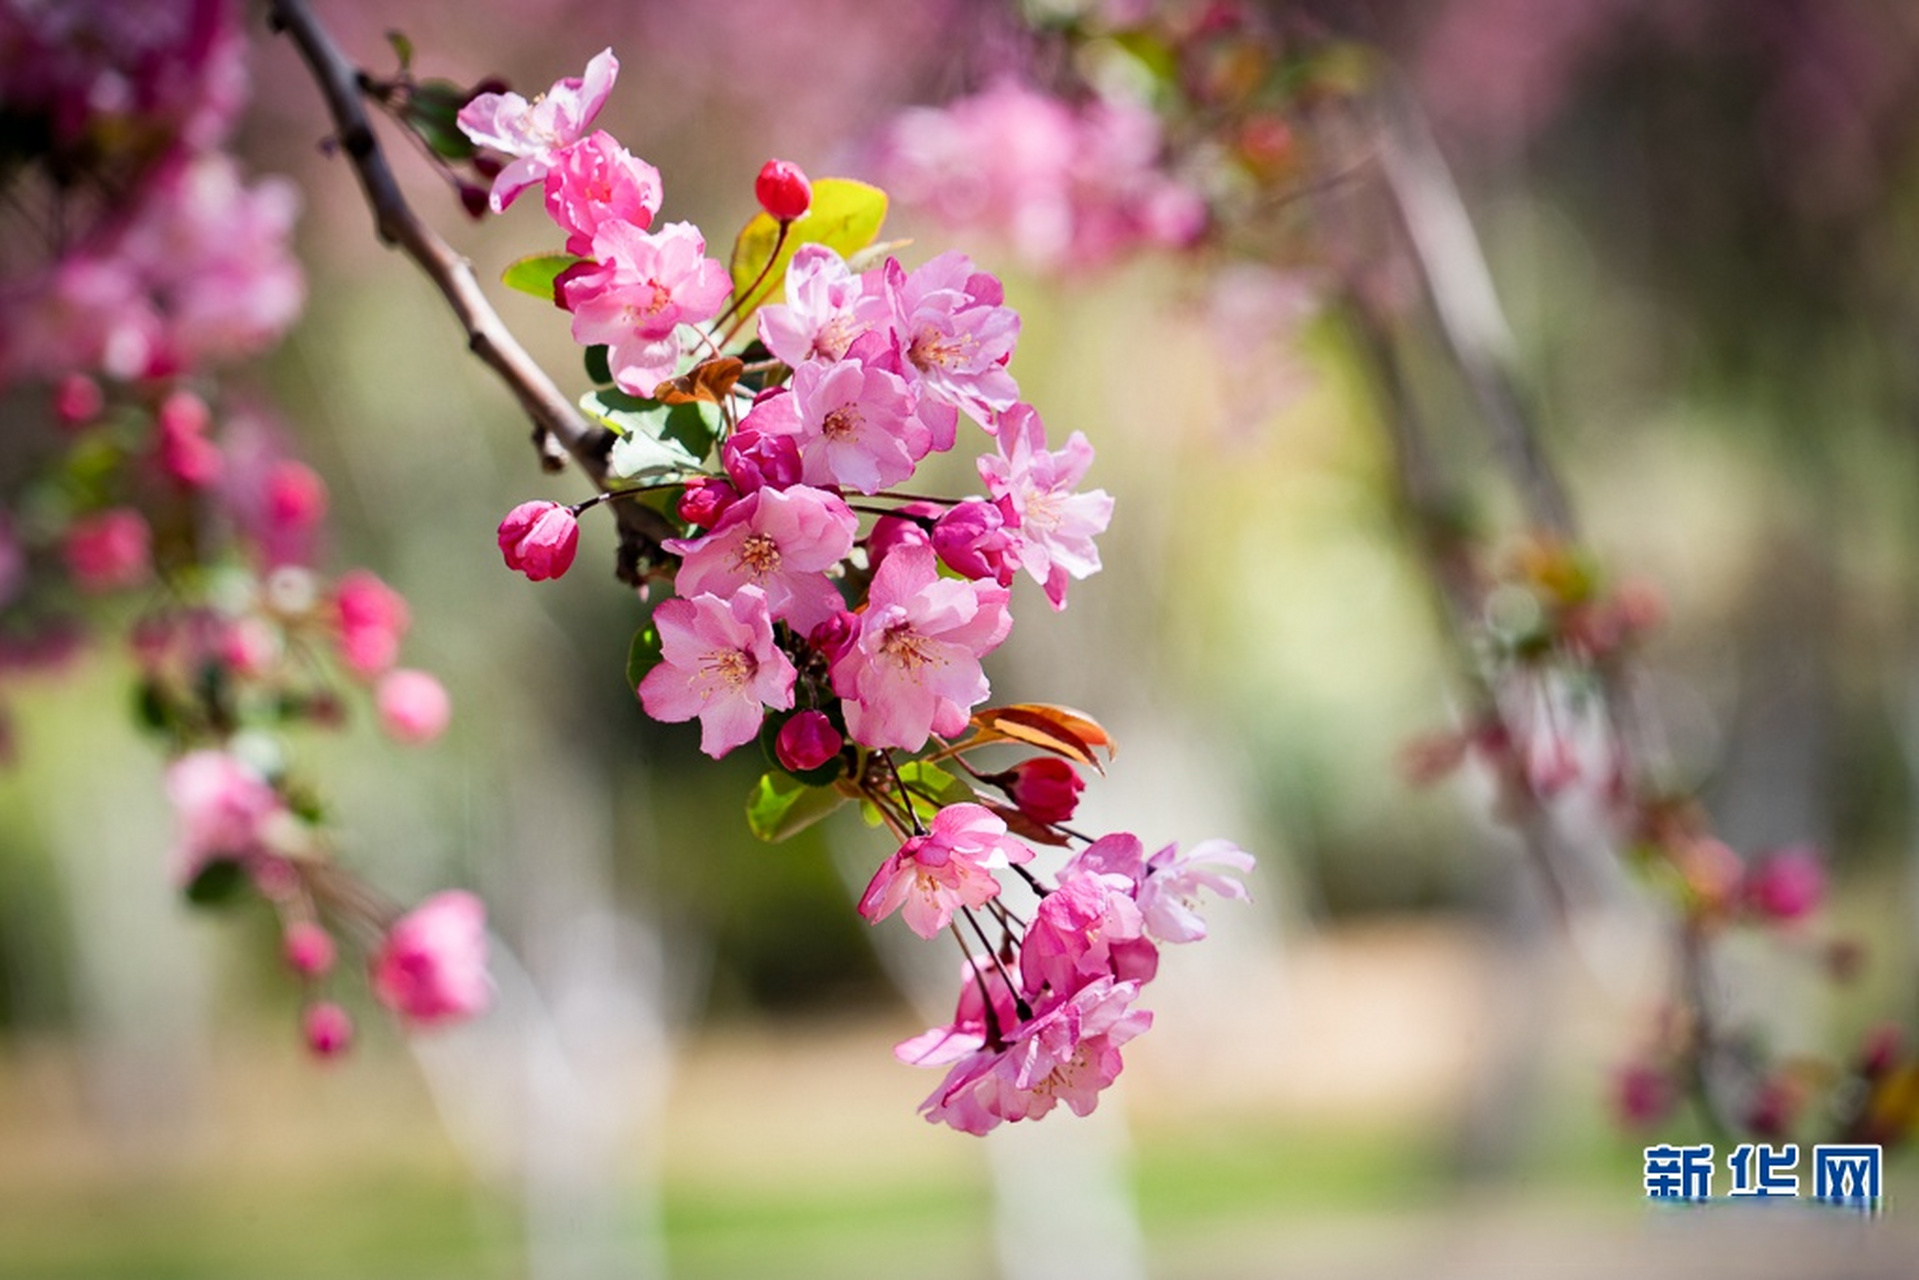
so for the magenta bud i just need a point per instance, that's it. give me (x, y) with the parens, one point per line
(832, 636)
(539, 539)
(327, 1028)
(972, 539)
(474, 200)
(1045, 789)
(487, 167)
(783, 190)
(1643, 1095)
(1787, 885)
(309, 948)
(706, 500)
(78, 400)
(908, 526)
(807, 741)
(755, 460)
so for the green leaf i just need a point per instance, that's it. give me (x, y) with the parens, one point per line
(781, 805)
(536, 274)
(432, 111)
(846, 217)
(656, 440)
(644, 655)
(219, 882)
(932, 788)
(597, 369)
(402, 47)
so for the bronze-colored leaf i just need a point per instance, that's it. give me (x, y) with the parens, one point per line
(1060, 730)
(708, 382)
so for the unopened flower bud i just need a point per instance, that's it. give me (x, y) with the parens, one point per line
(327, 1028)
(108, 550)
(1643, 1095)
(832, 636)
(706, 500)
(783, 190)
(413, 706)
(309, 948)
(972, 539)
(473, 199)
(755, 460)
(539, 539)
(78, 401)
(1787, 885)
(807, 741)
(1045, 788)
(431, 968)
(908, 526)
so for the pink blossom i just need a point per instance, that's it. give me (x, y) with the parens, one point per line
(827, 307)
(1642, 1095)
(915, 667)
(641, 288)
(327, 1029)
(718, 662)
(535, 132)
(295, 502)
(372, 617)
(539, 539)
(973, 540)
(779, 540)
(950, 326)
(1088, 927)
(756, 459)
(1046, 789)
(705, 499)
(184, 450)
(221, 810)
(1056, 525)
(597, 181)
(972, 1028)
(1787, 884)
(950, 867)
(431, 966)
(413, 706)
(309, 949)
(1068, 1053)
(1169, 892)
(807, 741)
(853, 422)
(782, 190)
(108, 550)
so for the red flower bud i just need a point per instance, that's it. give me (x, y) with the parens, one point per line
(783, 190)
(807, 741)
(1044, 788)
(706, 500)
(539, 539)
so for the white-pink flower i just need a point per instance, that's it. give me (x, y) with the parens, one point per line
(823, 311)
(642, 287)
(949, 324)
(1056, 525)
(597, 181)
(1169, 891)
(221, 807)
(534, 132)
(780, 541)
(718, 662)
(855, 424)
(431, 966)
(949, 867)
(914, 669)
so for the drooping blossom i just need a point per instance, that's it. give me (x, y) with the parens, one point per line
(950, 325)
(1069, 1052)
(807, 741)
(1056, 525)
(640, 288)
(915, 669)
(413, 706)
(108, 550)
(535, 132)
(779, 540)
(222, 810)
(597, 181)
(539, 539)
(825, 310)
(1088, 927)
(718, 662)
(431, 966)
(372, 617)
(933, 875)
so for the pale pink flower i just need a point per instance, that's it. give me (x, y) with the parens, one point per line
(719, 662)
(823, 312)
(779, 540)
(539, 539)
(852, 421)
(640, 289)
(915, 667)
(950, 867)
(597, 181)
(1087, 928)
(372, 617)
(950, 326)
(1169, 891)
(1056, 525)
(431, 966)
(221, 810)
(536, 132)
(413, 706)
(108, 550)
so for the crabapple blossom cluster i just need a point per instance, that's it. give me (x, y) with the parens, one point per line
(163, 502)
(771, 410)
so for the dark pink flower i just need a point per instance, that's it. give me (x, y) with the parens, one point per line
(910, 525)
(185, 452)
(1643, 1095)
(1787, 885)
(597, 181)
(539, 539)
(972, 539)
(756, 459)
(718, 662)
(413, 706)
(782, 190)
(327, 1029)
(78, 401)
(536, 132)
(915, 668)
(431, 966)
(705, 500)
(807, 741)
(108, 550)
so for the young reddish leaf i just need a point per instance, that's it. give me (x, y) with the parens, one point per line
(707, 382)
(1060, 730)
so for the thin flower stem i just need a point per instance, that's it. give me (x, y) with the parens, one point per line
(739, 297)
(999, 967)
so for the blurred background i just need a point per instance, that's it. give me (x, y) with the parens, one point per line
(1701, 216)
